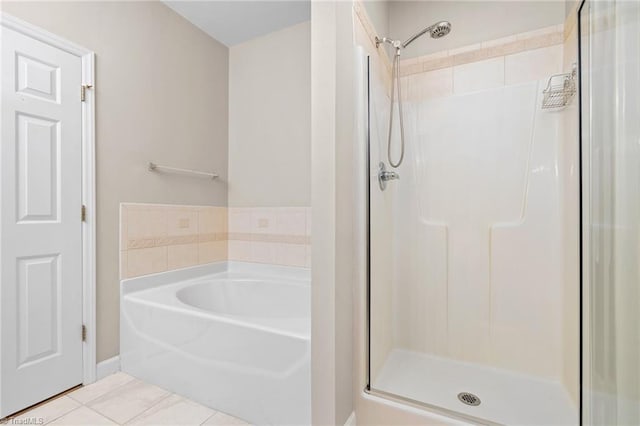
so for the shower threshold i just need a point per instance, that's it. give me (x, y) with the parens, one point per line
(505, 397)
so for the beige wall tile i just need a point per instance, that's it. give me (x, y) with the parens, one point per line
(240, 250)
(170, 237)
(212, 251)
(182, 221)
(182, 256)
(291, 221)
(212, 220)
(464, 49)
(570, 23)
(540, 32)
(505, 49)
(570, 51)
(307, 262)
(499, 41)
(291, 254)
(435, 64)
(544, 41)
(263, 220)
(146, 261)
(146, 222)
(308, 210)
(262, 252)
(432, 56)
(145, 243)
(239, 219)
(471, 56)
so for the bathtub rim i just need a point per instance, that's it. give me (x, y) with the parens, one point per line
(143, 282)
(134, 290)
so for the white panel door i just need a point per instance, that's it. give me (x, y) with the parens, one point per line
(40, 222)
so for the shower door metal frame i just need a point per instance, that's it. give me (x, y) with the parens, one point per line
(582, 232)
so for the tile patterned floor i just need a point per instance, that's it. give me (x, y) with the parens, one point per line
(120, 399)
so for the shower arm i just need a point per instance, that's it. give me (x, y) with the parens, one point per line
(401, 45)
(416, 35)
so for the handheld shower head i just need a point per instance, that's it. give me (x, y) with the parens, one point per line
(440, 29)
(437, 30)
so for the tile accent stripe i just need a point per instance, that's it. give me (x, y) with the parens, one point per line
(492, 49)
(170, 241)
(272, 235)
(531, 40)
(156, 238)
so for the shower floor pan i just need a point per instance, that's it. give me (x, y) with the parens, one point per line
(505, 397)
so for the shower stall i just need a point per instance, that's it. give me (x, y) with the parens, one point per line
(491, 292)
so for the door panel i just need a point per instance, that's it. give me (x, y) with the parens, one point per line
(37, 78)
(37, 166)
(40, 222)
(39, 307)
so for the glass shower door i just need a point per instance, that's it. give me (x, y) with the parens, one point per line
(610, 61)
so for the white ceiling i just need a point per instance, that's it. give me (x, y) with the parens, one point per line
(232, 22)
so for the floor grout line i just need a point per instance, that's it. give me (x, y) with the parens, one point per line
(62, 415)
(103, 415)
(153, 406)
(108, 392)
(209, 418)
(133, 379)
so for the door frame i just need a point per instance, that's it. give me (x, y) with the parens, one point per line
(87, 58)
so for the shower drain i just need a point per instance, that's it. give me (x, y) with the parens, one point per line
(468, 398)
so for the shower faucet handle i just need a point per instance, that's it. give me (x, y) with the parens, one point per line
(384, 176)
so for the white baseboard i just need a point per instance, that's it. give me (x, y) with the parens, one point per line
(108, 366)
(351, 421)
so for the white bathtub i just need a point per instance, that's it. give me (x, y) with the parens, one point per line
(233, 336)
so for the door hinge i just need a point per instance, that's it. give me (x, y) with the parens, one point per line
(83, 91)
(84, 333)
(83, 213)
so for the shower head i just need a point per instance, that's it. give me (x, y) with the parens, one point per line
(437, 30)
(440, 29)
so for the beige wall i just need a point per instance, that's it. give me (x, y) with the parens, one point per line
(270, 119)
(161, 95)
(332, 246)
